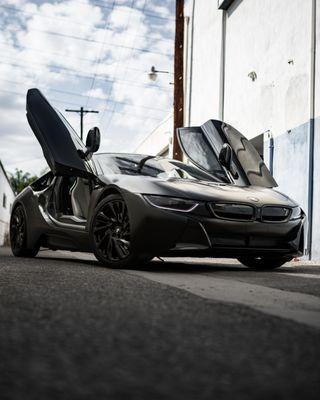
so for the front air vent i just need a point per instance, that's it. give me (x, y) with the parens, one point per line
(236, 212)
(274, 214)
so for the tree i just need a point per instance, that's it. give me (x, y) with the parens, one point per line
(19, 180)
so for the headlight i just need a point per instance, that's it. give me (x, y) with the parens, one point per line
(171, 203)
(296, 213)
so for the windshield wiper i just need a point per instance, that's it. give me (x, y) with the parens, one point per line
(143, 161)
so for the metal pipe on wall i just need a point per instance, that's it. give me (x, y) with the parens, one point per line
(271, 154)
(222, 65)
(178, 103)
(191, 63)
(311, 127)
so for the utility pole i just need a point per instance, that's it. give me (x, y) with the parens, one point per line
(178, 101)
(82, 112)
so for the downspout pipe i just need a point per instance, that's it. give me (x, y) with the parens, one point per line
(271, 154)
(311, 128)
(191, 64)
(222, 65)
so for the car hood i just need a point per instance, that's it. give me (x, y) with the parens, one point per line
(200, 190)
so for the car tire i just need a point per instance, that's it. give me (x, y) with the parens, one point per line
(18, 234)
(110, 234)
(266, 263)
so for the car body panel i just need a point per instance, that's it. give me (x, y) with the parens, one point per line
(202, 145)
(199, 190)
(229, 214)
(167, 233)
(60, 144)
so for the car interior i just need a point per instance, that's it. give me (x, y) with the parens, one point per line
(70, 199)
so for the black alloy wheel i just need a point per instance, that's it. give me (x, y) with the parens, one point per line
(110, 232)
(263, 263)
(18, 234)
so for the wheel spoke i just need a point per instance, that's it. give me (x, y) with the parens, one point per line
(106, 235)
(99, 228)
(112, 208)
(111, 231)
(118, 248)
(17, 228)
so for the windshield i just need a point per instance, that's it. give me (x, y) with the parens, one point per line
(164, 168)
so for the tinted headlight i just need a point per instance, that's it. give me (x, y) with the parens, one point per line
(171, 203)
(296, 213)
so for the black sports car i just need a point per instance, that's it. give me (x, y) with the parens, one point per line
(128, 208)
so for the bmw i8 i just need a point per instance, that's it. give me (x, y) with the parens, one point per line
(129, 208)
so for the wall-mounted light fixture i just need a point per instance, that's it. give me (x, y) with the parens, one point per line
(252, 75)
(153, 74)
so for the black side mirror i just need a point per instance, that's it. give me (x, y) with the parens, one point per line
(225, 159)
(225, 156)
(92, 143)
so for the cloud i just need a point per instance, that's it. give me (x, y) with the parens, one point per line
(84, 53)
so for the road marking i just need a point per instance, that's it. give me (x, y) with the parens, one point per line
(298, 307)
(299, 275)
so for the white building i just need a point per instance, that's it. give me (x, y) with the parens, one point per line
(159, 141)
(256, 65)
(6, 201)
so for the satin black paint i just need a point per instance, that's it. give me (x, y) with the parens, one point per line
(209, 230)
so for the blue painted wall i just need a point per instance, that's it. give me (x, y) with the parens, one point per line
(316, 194)
(291, 168)
(290, 163)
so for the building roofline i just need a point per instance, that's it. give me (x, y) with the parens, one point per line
(5, 174)
(169, 116)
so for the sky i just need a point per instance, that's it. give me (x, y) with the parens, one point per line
(90, 53)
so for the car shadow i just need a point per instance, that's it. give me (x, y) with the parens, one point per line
(176, 266)
(187, 266)
(152, 266)
(201, 267)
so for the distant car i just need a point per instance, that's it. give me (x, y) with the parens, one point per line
(128, 208)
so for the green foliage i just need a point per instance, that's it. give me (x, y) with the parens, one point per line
(6, 242)
(19, 180)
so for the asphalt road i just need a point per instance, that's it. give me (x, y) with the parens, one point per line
(71, 329)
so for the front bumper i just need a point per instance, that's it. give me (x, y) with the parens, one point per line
(233, 239)
(167, 233)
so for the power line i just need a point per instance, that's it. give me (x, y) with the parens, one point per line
(78, 105)
(98, 60)
(78, 74)
(150, 15)
(104, 6)
(110, 90)
(77, 23)
(96, 41)
(82, 113)
(64, 56)
(126, 103)
(101, 98)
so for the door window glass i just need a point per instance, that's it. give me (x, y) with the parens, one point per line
(197, 148)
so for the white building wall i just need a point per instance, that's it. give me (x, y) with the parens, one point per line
(264, 36)
(159, 141)
(271, 39)
(316, 198)
(203, 61)
(5, 189)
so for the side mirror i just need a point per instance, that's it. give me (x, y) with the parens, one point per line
(92, 143)
(225, 156)
(225, 159)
